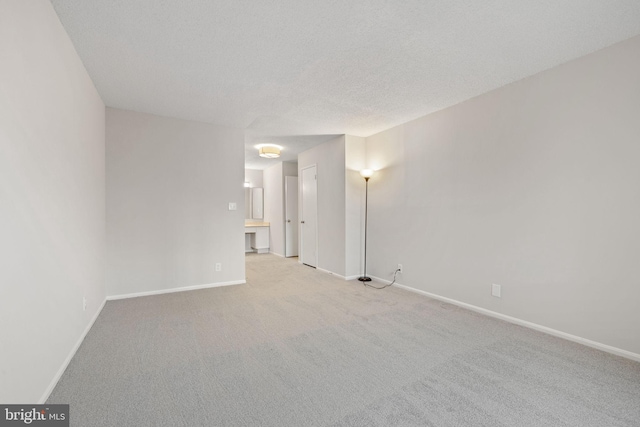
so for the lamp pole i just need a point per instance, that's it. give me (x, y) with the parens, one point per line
(366, 174)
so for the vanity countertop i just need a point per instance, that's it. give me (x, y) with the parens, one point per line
(256, 224)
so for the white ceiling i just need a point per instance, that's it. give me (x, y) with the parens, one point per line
(294, 71)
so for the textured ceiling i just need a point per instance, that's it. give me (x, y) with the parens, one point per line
(281, 68)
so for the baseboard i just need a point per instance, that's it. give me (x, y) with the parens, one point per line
(331, 273)
(584, 341)
(338, 275)
(169, 291)
(72, 353)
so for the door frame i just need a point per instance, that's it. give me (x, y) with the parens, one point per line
(294, 225)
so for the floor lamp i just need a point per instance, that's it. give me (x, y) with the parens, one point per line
(366, 174)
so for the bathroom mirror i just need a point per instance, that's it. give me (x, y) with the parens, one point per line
(254, 203)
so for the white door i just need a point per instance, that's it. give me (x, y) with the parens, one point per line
(291, 216)
(309, 217)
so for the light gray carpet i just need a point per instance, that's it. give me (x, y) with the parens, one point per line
(297, 347)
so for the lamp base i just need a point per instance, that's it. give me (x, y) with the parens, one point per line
(364, 279)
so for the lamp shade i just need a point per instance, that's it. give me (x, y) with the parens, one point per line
(269, 152)
(367, 173)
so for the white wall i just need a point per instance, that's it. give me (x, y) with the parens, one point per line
(169, 183)
(533, 186)
(274, 207)
(329, 159)
(289, 169)
(254, 177)
(354, 205)
(52, 200)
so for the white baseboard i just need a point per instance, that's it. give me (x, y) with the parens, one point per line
(520, 322)
(331, 273)
(276, 254)
(72, 353)
(169, 291)
(338, 275)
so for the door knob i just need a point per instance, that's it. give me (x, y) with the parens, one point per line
(301, 222)
(288, 220)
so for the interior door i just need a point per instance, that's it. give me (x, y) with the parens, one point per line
(291, 216)
(309, 217)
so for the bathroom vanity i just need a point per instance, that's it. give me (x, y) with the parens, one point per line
(258, 233)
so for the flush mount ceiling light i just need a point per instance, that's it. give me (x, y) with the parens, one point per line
(269, 151)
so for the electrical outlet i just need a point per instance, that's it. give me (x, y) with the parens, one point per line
(218, 266)
(84, 304)
(233, 206)
(399, 268)
(496, 290)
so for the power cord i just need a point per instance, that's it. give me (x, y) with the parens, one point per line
(395, 273)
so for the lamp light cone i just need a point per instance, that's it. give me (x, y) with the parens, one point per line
(367, 173)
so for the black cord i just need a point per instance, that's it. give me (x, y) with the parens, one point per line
(385, 286)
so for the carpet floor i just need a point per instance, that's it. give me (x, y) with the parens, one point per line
(298, 347)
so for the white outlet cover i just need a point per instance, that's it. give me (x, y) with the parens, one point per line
(233, 206)
(496, 290)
